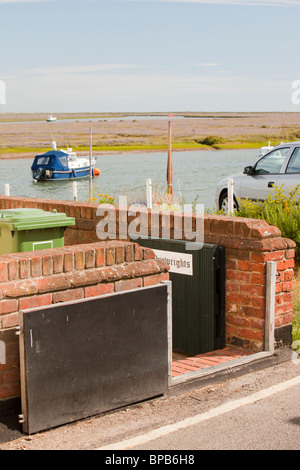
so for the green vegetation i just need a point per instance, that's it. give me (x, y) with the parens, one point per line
(296, 319)
(100, 148)
(206, 143)
(19, 150)
(211, 141)
(119, 148)
(281, 209)
(102, 199)
(241, 145)
(220, 143)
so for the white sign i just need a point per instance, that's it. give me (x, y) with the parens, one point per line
(180, 263)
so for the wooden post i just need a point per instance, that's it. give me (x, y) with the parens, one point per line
(74, 190)
(230, 196)
(90, 185)
(149, 193)
(169, 172)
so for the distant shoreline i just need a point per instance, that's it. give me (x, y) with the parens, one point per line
(13, 117)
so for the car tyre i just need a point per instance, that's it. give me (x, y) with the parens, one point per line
(223, 204)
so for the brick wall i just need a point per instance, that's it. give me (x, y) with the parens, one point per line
(248, 243)
(29, 280)
(249, 246)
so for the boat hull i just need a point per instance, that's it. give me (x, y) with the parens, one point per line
(53, 175)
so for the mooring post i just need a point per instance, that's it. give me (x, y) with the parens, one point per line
(149, 193)
(230, 196)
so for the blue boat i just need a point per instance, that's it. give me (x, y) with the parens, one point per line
(61, 165)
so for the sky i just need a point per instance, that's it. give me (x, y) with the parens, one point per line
(149, 55)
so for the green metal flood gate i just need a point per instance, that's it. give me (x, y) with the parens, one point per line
(198, 293)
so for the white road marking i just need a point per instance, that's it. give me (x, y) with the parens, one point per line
(213, 413)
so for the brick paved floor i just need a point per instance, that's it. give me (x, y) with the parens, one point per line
(185, 365)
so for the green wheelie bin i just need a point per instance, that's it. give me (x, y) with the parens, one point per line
(26, 229)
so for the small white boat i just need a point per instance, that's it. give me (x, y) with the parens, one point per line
(266, 149)
(51, 118)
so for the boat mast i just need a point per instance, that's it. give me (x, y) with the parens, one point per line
(90, 185)
(169, 165)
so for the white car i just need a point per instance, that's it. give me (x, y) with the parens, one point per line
(280, 166)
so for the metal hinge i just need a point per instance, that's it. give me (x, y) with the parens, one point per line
(19, 330)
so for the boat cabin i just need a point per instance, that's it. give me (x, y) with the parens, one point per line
(52, 162)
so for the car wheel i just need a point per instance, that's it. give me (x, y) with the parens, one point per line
(223, 204)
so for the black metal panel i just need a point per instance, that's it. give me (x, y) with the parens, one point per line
(85, 357)
(198, 305)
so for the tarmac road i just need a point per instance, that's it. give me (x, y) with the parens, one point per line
(257, 411)
(265, 420)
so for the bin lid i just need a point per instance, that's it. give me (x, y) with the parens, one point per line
(30, 219)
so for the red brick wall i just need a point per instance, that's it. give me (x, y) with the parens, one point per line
(29, 280)
(248, 243)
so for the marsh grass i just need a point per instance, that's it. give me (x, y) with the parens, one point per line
(240, 145)
(21, 150)
(178, 144)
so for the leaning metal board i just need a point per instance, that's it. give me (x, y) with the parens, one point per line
(82, 358)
